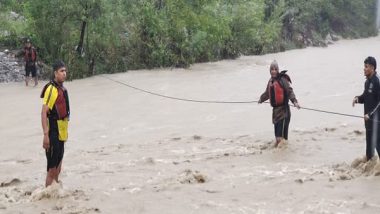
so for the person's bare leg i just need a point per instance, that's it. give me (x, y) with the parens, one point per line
(58, 172)
(26, 81)
(50, 176)
(35, 81)
(278, 141)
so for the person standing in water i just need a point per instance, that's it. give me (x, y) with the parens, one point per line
(279, 92)
(54, 118)
(371, 100)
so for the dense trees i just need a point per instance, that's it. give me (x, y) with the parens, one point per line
(103, 36)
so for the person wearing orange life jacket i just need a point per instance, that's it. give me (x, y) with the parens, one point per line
(279, 92)
(54, 118)
(30, 58)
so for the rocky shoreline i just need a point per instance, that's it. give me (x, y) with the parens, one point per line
(11, 68)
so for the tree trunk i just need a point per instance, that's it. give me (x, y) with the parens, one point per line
(159, 4)
(91, 67)
(81, 40)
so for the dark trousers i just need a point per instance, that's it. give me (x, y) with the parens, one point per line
(30, 69)
(373, 141)
(281, 128)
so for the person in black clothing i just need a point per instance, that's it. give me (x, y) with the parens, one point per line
(371, 100)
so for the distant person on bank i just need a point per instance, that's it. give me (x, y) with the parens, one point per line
(30, 60)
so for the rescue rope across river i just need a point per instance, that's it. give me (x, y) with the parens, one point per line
(221, 102)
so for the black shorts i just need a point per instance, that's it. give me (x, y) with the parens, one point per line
(281, 128)
(54, 154)
(30, 69)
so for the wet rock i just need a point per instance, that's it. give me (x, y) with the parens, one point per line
(200, 178)
(196, 137)
(345, 177)
(212, 191)
(12, 182)
(336, 37)
(329, 40)
(11, 70)
(303, 180)
(357, 132)
(190, 177)
(149, 160)
(330, 129)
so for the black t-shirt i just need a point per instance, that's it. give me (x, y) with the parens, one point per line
(371, 97)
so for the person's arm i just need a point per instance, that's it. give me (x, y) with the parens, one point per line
(360, 98)
(45, 127)
(50, 95)
(290, 93)
(264, 97)
(376, 109)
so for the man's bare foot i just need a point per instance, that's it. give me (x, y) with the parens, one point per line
(277, 144)
(280, 144)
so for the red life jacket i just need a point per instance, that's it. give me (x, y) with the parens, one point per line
(61, 103)
(30, 55)
(61, 108)
(277, 93)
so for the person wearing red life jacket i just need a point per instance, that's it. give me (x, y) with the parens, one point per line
(30, 58)
(279, 92)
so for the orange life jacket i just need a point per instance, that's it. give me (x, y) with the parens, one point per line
(276, 89)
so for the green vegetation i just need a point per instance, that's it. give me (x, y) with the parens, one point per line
(105, 36)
